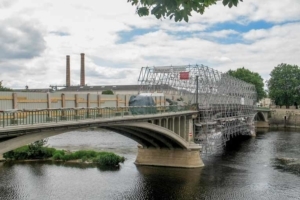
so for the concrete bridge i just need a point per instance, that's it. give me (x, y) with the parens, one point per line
(165, 138)
(197, 107)
(262, 116)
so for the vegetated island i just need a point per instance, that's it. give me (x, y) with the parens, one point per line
(37, 151)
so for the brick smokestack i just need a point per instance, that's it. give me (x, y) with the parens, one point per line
(68, 74)
(82, 71)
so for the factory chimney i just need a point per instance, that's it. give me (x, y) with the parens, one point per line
(82, 71)
(68, 74)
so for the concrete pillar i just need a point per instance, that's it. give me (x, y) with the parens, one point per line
(173, 124)
(63, 105)
(48, 105)
(15, 100)
(183, 130)
(125, 100)
(183, 158)
(48, 100)
(76, 104)
(177, 125)
(88, 102)
(76, 101)
(117, 100)
(251, 125)
(190, 130)
(98, 100)
(63, 100)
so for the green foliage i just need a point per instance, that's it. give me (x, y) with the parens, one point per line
(101, 158)
(109, 159)
(107, 92)
(179, 9)
(32, 151)
(250, 77)
(36, 150)
(58, 155)
(2, 88)
(284, 84)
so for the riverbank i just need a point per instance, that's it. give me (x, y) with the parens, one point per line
(281, 118)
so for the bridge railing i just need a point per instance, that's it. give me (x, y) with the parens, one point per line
(37, 116)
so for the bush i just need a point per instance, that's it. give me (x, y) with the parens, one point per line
(26, 152)
(110, 159)
(40, 152)
(84, 158)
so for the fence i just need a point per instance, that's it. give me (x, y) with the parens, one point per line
(31, 100)
(37, 116)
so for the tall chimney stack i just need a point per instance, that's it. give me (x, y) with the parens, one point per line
(82, 71)
(68, 74)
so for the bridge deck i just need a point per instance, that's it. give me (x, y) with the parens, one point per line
(24, 128)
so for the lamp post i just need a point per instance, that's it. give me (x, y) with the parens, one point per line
(197, 88)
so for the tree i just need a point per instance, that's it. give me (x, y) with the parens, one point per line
(250, 77)
(179, 9)
(2, 88)
(107, 92)
(284, 84)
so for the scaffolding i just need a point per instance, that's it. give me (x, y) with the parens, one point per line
(225, 103)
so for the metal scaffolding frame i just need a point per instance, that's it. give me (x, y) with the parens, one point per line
(225, 103)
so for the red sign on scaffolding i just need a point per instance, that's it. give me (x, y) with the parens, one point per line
(184, 75)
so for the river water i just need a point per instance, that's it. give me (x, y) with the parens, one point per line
(251, 168)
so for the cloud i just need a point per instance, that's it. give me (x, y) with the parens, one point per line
(20, 39)
(59, 33)
(6, 3)
(221, 59)
(36, 36)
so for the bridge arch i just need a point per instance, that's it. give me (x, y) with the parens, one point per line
(147, 134)
(259, 116)
(150, 135)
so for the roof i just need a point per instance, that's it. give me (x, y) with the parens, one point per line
(33, 90)
(102, 87)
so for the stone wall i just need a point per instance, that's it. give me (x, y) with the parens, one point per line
(284, 117)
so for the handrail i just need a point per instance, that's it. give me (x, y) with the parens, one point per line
(17, 117)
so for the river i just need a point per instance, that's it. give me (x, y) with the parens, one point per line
(250, 168)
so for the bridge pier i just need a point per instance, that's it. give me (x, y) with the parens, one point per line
(184, 158)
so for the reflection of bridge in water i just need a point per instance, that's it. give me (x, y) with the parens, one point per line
(199, 105)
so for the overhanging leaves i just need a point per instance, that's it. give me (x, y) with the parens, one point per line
(179, 9)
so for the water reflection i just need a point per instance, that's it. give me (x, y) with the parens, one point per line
(247, 168)
(285, 164)
(36, 167)
(166, 183)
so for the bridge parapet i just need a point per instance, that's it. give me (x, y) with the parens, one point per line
(15, 117)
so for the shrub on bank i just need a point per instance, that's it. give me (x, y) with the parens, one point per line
(27, 152)
(106, 158)
(101, 158)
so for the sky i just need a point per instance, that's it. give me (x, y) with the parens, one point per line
(36, 36)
